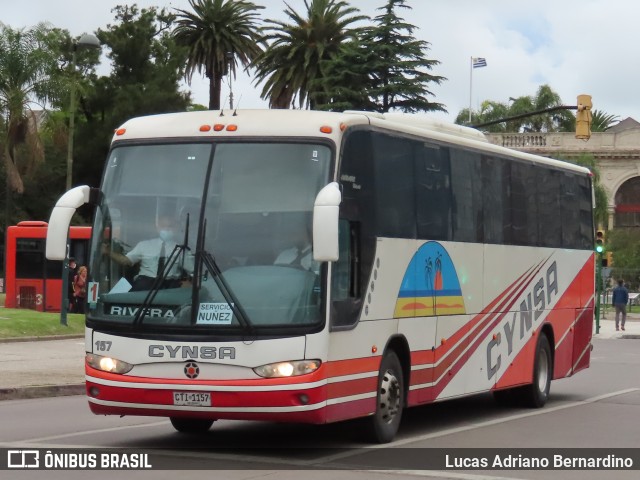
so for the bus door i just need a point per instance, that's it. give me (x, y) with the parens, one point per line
(30, 286)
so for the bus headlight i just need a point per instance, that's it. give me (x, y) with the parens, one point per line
(287, 369)
(108, 364)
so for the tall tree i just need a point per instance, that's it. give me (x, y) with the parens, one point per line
(290, 65)
(217, 35)
(146, 69)
(26, 63)
(400, 67)
(345, 80)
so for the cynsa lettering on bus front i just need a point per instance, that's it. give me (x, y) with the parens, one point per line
(531, 308)
(194, 352)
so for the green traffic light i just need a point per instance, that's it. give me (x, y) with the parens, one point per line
(599, 249)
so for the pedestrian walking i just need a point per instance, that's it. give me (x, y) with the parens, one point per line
(620, 300)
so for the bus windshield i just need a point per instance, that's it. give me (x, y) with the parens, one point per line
(208, 237)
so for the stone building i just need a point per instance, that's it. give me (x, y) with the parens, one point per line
(617, 153)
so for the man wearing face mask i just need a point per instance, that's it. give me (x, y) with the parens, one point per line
(152, 256)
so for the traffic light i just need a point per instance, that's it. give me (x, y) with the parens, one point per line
(609, 259)
(583, 117)
(600, 245)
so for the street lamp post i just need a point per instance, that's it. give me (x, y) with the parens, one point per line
(85, 41)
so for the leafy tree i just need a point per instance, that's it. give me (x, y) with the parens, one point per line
(384, 69)
(625, 245)
(215, 30)
(345, 79)
(147, 66)
(291, 63)
(600, 213)
(399, 69)
(545, 98)
(489, 111)
(602, 121)
(25, 66)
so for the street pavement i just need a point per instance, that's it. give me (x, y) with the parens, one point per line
(53, 366)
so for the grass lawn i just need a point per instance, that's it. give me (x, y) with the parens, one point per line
(29, 323)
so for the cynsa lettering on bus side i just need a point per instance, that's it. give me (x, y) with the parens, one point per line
(214, 314)
(531, 308)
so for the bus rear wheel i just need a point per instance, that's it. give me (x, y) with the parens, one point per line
(536, 394)
(384, 423)
(191, 425)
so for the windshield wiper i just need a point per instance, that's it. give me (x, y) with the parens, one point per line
(226, 291)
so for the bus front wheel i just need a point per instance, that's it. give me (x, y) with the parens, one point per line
(191, 425)
(384, 423)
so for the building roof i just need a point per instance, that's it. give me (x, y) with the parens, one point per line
(626, 124)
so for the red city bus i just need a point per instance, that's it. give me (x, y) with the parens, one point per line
(31, 281)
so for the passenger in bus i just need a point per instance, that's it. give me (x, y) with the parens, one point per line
(300, 253)
(152, 256)
(80, 290)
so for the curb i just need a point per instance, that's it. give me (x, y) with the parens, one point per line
(22, 393)
(40, 339)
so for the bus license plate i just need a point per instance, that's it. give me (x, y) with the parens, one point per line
(192, 399)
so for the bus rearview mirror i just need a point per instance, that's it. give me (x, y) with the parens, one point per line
(60, 220)
(326, 211)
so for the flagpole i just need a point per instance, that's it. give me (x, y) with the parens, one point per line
(470, 85)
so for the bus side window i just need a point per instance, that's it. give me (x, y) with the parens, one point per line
(345, 283)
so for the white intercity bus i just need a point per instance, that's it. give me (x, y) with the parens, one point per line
(323, 266)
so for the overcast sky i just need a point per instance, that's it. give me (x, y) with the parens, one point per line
(575, 46)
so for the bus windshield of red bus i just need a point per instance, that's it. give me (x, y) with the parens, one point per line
(208, 237)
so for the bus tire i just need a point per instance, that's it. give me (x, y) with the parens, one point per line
(536, 394)
(191, 425)
(384, 423)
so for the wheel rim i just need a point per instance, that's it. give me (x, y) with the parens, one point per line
(543, 372)
(389, 397)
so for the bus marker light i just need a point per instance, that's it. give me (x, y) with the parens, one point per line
(374, 349)
(121, 131)
(343, 127)
(443, 341)
(326, 129)
(232, 128)
(218, 127)
(205, 128)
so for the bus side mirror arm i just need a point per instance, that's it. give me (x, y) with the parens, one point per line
(326, 211)
(60, 220)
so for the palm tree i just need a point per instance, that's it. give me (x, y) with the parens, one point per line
(218, 34)
(602, 121)
(25, 67)
(544, 98)
(561, 120)
(292, 62)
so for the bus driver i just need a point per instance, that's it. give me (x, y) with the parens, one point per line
(152, 255)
